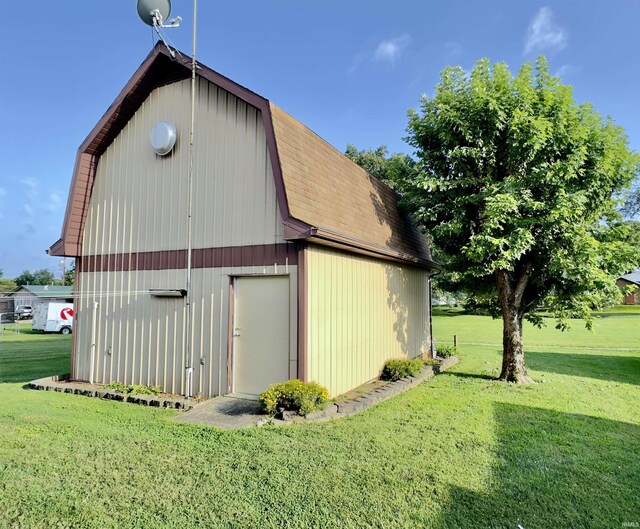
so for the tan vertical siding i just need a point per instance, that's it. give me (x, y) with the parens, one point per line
(139, 204)
(361, 312)
(139, 199)
(140, 338)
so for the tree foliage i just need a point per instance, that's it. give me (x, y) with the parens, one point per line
(517, 187)
(39, 277)
(69, 275)
(631, 208)
(7, 285)
(389, 168)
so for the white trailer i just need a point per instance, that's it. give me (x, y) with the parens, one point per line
(53, 317)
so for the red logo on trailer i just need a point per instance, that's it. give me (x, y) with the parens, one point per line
(66, 313)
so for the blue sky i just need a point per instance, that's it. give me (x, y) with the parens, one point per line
(349, 70)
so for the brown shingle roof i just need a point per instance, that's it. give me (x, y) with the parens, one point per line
(328, 191)
(323, 196)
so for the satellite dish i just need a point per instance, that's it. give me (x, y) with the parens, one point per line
(154, 12)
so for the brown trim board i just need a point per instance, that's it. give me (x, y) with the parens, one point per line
(228, 256)
(324, 237)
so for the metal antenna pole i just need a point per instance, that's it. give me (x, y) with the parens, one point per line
(189, 352)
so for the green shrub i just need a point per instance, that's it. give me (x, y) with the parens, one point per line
(118, 386)
(445, 351)
(142, 389)
(135, 389)
(432, 362)
(397, 369)
(294, 395)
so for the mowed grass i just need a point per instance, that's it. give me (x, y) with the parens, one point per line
(27, 355)
(609, 351)
(459, 451)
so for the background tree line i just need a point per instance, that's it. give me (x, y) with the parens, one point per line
(38, 277)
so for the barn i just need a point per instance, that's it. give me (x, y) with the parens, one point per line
(286, 260)
(630, 280)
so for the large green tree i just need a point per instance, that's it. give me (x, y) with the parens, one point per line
(39, 277)
(631, 208)
(517, 187)
(69, 275)
(390, 168)
(6, 285)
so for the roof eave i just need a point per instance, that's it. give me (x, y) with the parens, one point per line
(325, 237)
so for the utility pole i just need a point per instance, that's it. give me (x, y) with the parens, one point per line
(63, 266)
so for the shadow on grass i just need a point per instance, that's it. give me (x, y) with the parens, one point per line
(553, 470)
(469, 375)
(624, 369)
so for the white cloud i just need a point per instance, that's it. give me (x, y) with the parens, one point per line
(391, 50)
(30, 183)
(28, 229)
(27, 210)
(54, 202)
(358, 59)
(452, 50)
(544, 34)
(387, 51)
(565, 70)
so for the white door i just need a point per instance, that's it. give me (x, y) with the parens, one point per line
(260, 333)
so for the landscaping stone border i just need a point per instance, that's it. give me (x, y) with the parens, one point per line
(365, 401)
(62, 384)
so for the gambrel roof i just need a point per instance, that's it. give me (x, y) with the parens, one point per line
(323, 196)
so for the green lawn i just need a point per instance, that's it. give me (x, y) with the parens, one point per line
(459, 451)
(28, 355)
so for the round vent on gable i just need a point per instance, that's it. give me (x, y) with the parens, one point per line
(163, 137)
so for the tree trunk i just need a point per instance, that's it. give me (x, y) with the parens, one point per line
(513, 368)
